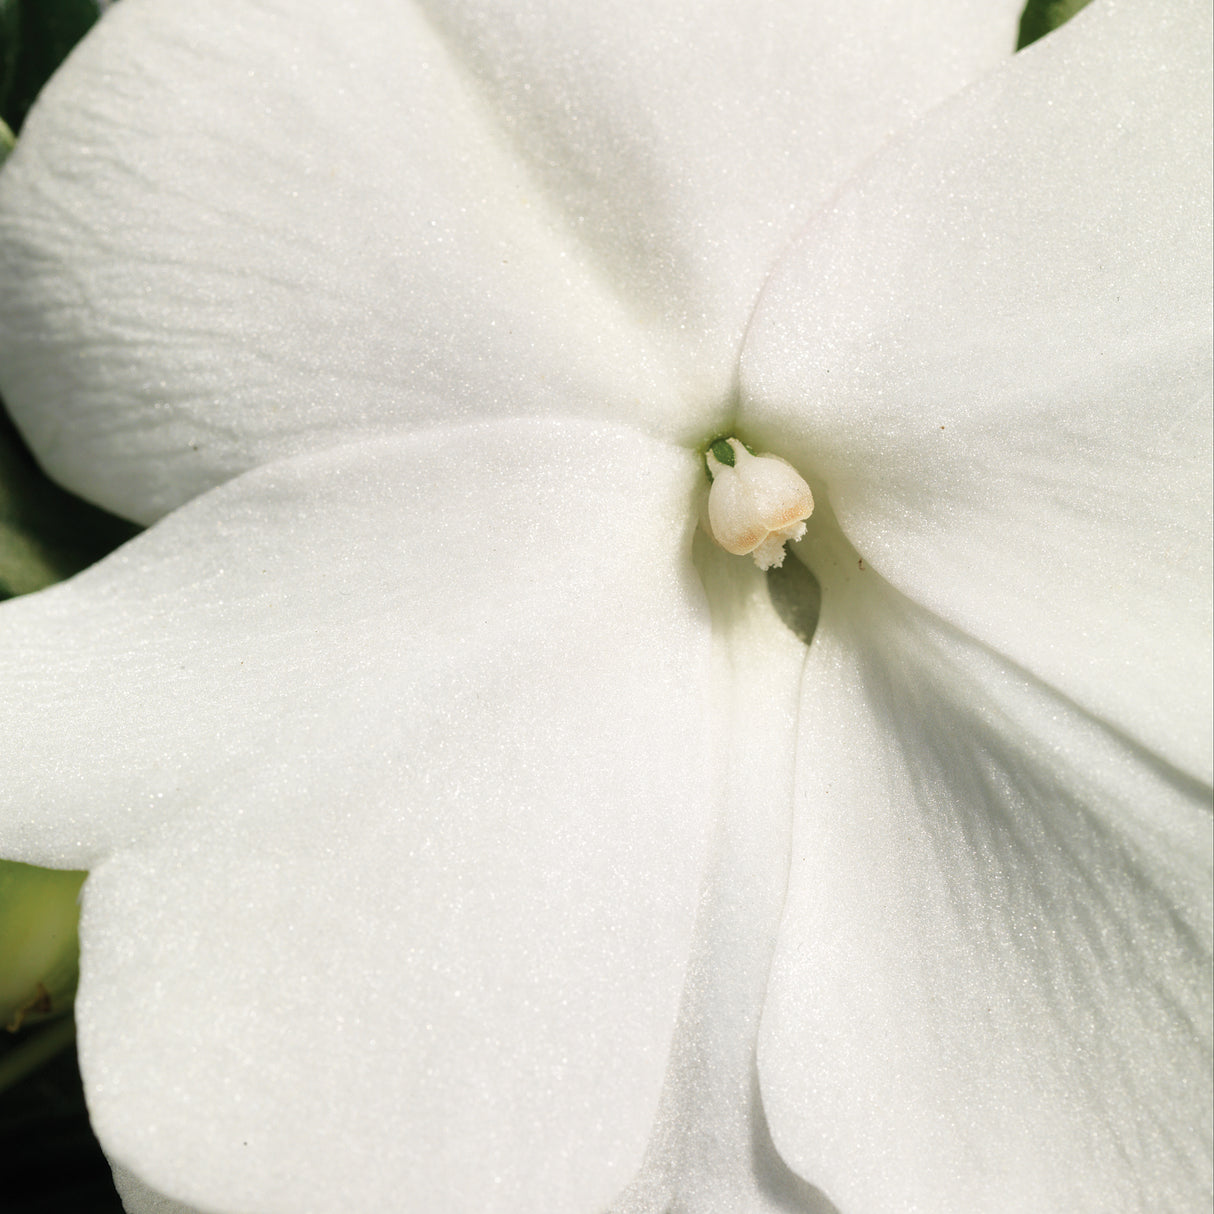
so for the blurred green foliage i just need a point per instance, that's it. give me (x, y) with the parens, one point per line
(38, 919)
(35, 37)
(46, 533)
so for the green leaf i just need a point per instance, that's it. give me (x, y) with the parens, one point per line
(1040, 17)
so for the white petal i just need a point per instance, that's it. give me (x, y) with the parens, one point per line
(390, 766)
(239, 230)
(691, 138)
(994, 352)
(712, 1153)
(139, 1198)
(992, 987)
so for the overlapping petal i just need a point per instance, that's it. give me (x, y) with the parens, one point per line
(994, 350)
(711, 1151)
(992, 987)
(390, 767)
(252, 227)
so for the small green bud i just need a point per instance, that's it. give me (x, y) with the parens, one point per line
(722, 452)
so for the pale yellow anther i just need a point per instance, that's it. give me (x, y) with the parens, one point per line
(757, 503)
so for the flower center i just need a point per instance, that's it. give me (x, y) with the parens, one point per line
(757, 503)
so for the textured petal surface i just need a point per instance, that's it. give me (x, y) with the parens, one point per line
(992, 987)
(711, 1152)
(248, 228)
(389, 766)
(139, 1198)
(994, 353)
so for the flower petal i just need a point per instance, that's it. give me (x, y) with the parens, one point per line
(390, 767)
(711, 1151)
(239, 230)
(992, 987)
(994, 351)
(690, 139)
(140, 1198)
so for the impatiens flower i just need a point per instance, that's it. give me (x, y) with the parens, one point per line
(467, 832)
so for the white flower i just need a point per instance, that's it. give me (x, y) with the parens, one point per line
(461, 839)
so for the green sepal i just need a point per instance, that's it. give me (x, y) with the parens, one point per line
(1041, 17)
(721, 451)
